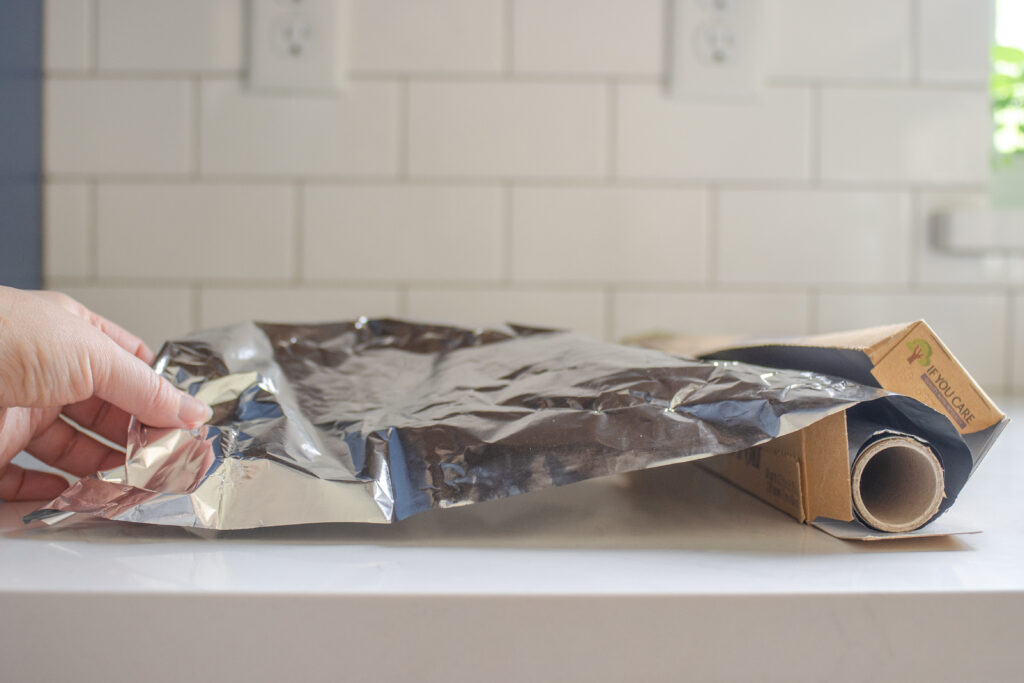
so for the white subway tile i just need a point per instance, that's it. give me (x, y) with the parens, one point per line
(813, 237)
(905, 136)
(935, 266)
(578, 310)
(838, 39)
(427, 35)
(743, 312)
(662, 138)
(66, 242)
(67, 38)
(293, 305)
(954, 37)
(355, 133)
(1017, 339)
(609, 235)
(507, 129)
(402, 233)
(153, 314)
(187, 232)
(116, 126)
(192, 35)
(621, 37)
(973, 326)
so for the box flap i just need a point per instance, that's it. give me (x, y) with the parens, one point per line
(825, 467)
(770, 472)
(918, 364)
(805, 474)
(905, 358)
(875, 342)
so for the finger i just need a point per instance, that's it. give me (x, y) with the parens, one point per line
(64, 447)
(131, 385)
(122, 337)
(101, 417)
(17, 483)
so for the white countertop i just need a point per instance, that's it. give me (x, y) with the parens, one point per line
(650, 576)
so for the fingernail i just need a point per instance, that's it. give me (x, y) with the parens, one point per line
(193, 412)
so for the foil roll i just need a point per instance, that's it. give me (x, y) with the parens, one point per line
(376, 420)
(904, 472)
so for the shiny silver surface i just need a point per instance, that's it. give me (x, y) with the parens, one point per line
(377, 420)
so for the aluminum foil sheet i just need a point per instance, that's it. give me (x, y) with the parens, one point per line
(377, 420)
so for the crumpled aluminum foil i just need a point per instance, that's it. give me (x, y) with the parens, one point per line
(377, 420)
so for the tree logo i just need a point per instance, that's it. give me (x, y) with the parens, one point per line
(921, 351)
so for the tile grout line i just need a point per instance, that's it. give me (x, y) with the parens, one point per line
(88, 73)
(712, 199)
(93, 231)
(816, 146)
(213, 283)
(813, 313)
(612, 134)
(508, 35)
(299, 231)
(93, 30)
(402, 290)
(913, 44)
(596, 181)
(196, 123)
(873, 288)
(964, 86)
(507, 233)
(500, 75)
(609, 313)
(1011, 338)
(654, 287)
(404, 129)
(196, 304)
(918, 226)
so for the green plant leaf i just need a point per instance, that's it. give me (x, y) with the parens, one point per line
(1005, 53)
(1006, 87)
(1001, 86)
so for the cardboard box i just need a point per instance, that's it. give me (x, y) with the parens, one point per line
(805, 474)
(809, 474)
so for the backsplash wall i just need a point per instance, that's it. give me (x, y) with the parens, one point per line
(519, 160)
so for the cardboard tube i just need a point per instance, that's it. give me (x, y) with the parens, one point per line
(898, 484)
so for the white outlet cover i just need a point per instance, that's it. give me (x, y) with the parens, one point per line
(980, 231)
(299, 45)
(715, 49)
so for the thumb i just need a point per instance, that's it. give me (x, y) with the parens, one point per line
(128, 383)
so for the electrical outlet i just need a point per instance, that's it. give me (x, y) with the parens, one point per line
(299, 45)
(980, 231)
(715, 48)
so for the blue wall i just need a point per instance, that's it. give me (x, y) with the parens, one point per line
(21, 41)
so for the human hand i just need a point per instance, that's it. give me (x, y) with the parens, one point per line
(59, 358)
